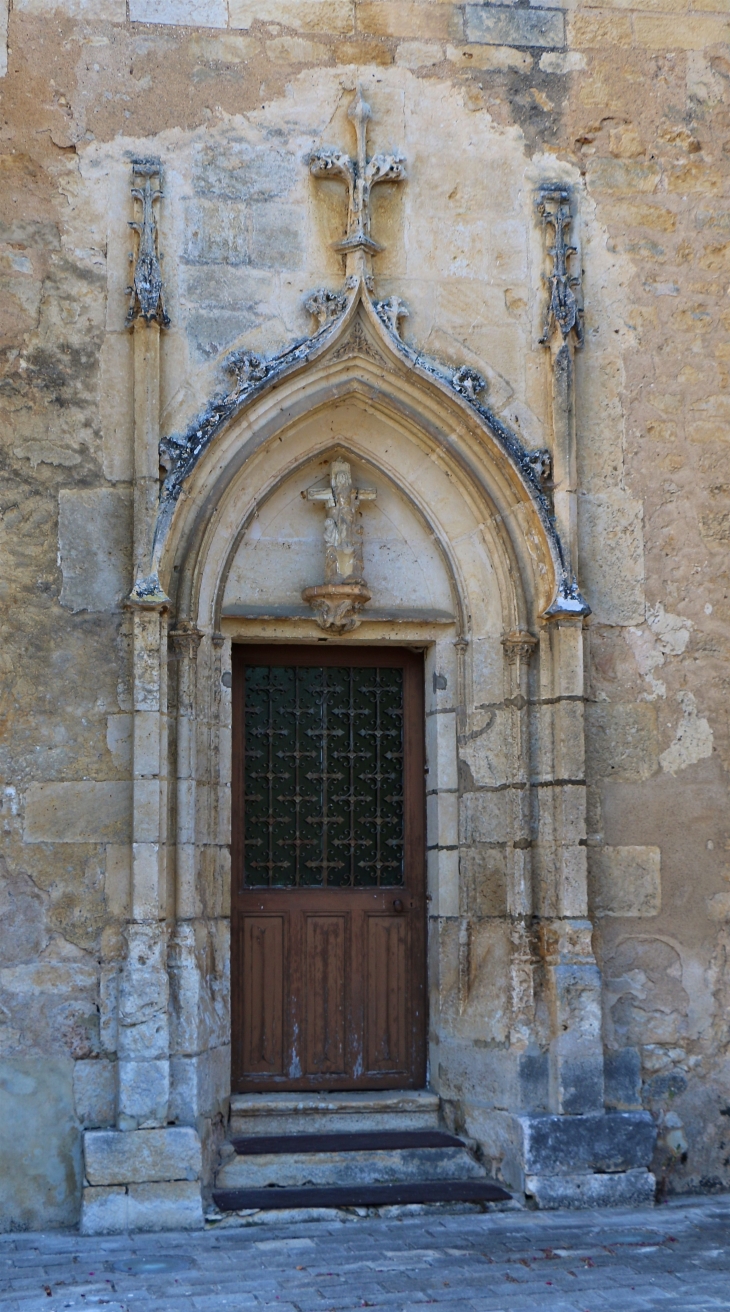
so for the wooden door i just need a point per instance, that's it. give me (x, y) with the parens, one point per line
(328, 869)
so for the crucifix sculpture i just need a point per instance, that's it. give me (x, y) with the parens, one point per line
(338, 601)
(360, 175)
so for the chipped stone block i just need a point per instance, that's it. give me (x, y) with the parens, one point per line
(502, 26)
(181, 13)
(485, 817)
(94, 547)
(625, 881)
(95, 1093)
(176, 1205)
(104, 1210)
(144, 1091)
(627, 1189)
(611, 1141)
(83, 812)
(138, 1156)
(622, 1075)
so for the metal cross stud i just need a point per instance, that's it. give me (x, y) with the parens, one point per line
(360, 175)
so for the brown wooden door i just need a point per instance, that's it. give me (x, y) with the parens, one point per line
(328, 869)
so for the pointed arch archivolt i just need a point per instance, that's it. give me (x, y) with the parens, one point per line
(428, 446)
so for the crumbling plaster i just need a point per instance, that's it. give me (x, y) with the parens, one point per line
(639, 141)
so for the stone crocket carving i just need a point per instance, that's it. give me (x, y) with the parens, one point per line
(360, 175)
(563, 310)
(338, 601)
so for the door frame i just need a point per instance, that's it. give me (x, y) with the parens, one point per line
(415, 875)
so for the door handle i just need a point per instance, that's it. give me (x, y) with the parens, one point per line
(398, 905)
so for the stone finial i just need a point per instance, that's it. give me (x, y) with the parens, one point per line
(360, 176)
(563, 309)
(146, 291)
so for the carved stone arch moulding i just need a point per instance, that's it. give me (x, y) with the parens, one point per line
(358, 345)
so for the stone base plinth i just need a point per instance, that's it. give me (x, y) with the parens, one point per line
(596, 1160)
(164, 1205)
(141, 1180)
(624, 1189)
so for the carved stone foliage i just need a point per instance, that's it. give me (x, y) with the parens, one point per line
(467, 382)
(325, 305)
(391, 312)
(563, 309)
(338, 602)
(147, 301)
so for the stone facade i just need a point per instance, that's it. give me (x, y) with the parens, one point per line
(532, 376)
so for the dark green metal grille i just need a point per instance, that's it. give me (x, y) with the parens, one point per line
(323, 777)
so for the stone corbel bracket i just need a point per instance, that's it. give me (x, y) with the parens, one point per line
(336, 312)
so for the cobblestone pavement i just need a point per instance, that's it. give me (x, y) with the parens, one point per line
(676, 1256)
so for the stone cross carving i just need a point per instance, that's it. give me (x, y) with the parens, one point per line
(338, 602)
(563, 311)
(146, 291)
(360, 175)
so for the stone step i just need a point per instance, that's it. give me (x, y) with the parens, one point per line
(292, 1170)
(323, 1113)
(395, 1193)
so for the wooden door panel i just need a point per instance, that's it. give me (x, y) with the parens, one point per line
(328, 977)
(387, 993)
(326, 1003)
(262, 954)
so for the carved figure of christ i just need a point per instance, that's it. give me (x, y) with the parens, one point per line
(342, 534)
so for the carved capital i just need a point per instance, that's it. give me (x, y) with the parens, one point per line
(518, 646)
(185, 640)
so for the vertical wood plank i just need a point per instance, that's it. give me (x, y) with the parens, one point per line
(262, 952)
(387, 994)
(326, 954)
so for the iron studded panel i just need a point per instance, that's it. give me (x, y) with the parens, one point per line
(323, 777)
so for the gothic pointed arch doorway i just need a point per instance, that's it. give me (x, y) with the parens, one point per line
(328, 899)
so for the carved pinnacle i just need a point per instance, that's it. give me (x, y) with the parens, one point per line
(147, 300)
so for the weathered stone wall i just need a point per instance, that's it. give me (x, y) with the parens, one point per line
(631, 106)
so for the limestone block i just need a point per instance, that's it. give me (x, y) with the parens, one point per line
(483, 880)
(216, 232)
(277, 236)
(175, 1205)
(137, 1156)
(146, 810)
(199, 1085)
(418, 54)
(40, 1150)
(94, 547)
(622, 741)
(441, 750)
(143, 995)
(625, 881)
(626, 1189)
(622, 1073)
(562, 1145)
(83, 812)
(502, 26)
(4, 38)
(103, 1210)
(485, 817)
(95, 1093)
(182, 13)
(144, 1093)
(331, 16)
(611, 545)
(442, 819)
(114, 11)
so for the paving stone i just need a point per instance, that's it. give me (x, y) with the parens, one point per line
(631, 1260)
